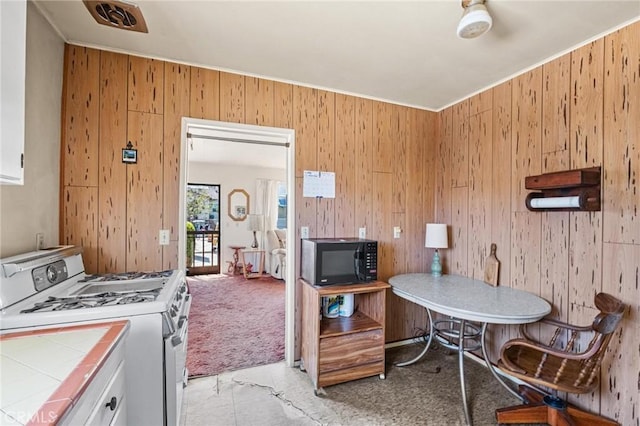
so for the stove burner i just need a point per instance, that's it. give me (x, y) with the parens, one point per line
(124, 276)
(92, 301)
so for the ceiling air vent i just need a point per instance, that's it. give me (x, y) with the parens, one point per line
(117, 14)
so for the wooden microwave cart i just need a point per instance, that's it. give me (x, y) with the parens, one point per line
(337, 350)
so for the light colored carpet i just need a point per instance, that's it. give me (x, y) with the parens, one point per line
(234, 323)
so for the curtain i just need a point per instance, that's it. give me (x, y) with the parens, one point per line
(267, 205)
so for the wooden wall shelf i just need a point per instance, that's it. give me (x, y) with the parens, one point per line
(571, 190)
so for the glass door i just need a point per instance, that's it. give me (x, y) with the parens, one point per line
(203, 229)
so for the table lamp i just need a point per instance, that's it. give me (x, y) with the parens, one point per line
(436, 237)
(255, 224)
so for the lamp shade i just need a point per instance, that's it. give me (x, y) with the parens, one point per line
(436, 236)
(256, 222)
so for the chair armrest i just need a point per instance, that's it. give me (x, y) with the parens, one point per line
(553, 323)
(279, 251)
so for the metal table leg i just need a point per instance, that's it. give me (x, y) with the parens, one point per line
(424, 351)
(490, 366)
(463, 388)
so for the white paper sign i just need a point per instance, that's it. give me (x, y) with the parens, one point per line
(319, 184)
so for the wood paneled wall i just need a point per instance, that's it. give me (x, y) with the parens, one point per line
(579, 110)
(382, 155)
(395, 166)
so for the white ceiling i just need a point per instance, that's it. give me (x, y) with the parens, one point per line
(397, 51)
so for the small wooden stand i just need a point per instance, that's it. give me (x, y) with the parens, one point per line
(253, 273)
(336, 350)
(235, 267)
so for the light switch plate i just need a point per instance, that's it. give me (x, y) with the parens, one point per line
(396, 232)
(362, 233)
(164, 237)
(304, 232)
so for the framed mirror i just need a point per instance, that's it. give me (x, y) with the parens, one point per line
(238, 205)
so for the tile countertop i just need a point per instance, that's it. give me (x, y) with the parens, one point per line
(44, 372)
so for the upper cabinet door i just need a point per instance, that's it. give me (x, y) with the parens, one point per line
(13, 38)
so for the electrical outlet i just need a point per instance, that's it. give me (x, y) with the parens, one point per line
(164, 237)
(40, 241)
(396, 232)
(362, 233)
(304, 232)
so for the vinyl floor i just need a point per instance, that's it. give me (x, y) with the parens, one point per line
(413, 395)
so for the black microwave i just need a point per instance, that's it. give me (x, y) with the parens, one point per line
(328, 261)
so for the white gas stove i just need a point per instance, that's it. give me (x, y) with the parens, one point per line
(46, 288)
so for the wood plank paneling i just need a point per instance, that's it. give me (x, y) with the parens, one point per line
(416, 208)
(383, 137)
(177, 78)
(81, 116)
(501, 200)
(501, 179)
(326, 159)
(146, 85)
(364, 164)
(80, 213)
(232, 101)
(305, 122)
(526, 147)
(585, 247)
(621, 130)
(382, 225)
(458, 233)
(534, 125)
(399, 163)
(555, 93)
(554, 260)
(144, 193)
(345, 165)
(481, 102)
(283, 105)
(259, 102)
(460, 145)
(480, 190)
(443, 166)
(205, 94)
(112, 237)
(619, 387)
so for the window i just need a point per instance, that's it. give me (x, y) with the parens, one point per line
(282, 206)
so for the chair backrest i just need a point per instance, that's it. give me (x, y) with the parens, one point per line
(491, 267)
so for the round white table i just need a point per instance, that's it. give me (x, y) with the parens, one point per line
(468, 299)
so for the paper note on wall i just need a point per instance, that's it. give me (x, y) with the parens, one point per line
(319, 184)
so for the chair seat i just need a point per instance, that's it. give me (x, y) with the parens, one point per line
(557, 373)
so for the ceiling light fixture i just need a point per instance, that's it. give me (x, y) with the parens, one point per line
(475, 20)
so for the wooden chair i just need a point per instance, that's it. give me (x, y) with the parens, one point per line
(561, 369)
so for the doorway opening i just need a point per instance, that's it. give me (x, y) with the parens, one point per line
(203, 229)
(247, 142)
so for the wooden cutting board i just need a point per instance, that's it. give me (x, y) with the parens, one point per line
(492, 267)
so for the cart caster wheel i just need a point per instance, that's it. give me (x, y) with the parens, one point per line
(382, 376)
(319, 392)
(302, 366)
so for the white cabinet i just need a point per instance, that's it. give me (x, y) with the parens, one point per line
(13, 39)
(103, 402)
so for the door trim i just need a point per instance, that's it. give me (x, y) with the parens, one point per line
(242, 133)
